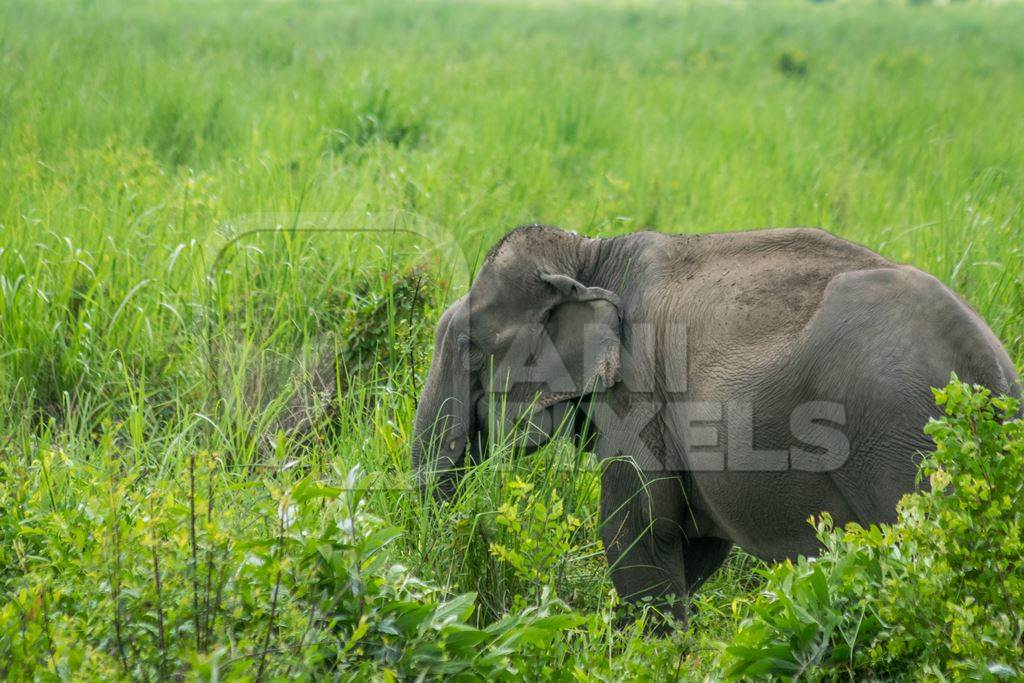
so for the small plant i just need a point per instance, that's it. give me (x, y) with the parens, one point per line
(376, 118)
(539, 537)
(792, 61)
(377, 327)
(937, 592)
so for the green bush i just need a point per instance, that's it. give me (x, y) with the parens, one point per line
(373, 617)
(116, 580)
(539, 538)
(936, 594)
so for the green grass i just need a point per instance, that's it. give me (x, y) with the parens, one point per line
(138, 140)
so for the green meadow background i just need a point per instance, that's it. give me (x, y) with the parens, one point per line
(150, 343)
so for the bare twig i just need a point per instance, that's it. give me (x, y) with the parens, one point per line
(192, 543)
(273, 600)
(162, 638)
(116, 589)
(207, 623)
(46, 625)
(221, 580)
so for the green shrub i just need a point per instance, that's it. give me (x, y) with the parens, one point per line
(118, 580)
(936, 594)
(539, 538)
(792, 61)
(372, 615)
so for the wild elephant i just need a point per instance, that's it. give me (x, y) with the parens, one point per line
(738, 383)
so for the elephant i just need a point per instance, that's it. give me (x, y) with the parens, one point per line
(732, 384)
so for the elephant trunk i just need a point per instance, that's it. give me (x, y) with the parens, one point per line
(444, 416)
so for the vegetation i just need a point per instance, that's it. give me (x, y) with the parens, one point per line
(936, 593)
(226, 233)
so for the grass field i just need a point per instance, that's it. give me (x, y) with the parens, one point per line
(149, 341)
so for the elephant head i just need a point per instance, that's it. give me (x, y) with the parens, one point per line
(528, 337)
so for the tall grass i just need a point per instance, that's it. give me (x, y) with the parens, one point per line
(149, 343)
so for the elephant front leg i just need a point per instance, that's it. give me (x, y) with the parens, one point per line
(703, 558)
(643, 538)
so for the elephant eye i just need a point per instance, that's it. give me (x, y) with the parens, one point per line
(470, 355)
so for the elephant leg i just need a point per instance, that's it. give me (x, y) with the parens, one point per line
(643, 537)
(703, 557)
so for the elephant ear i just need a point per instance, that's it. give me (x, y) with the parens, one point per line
(580, 348)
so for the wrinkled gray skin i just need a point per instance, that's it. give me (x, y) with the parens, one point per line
(770, 320)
